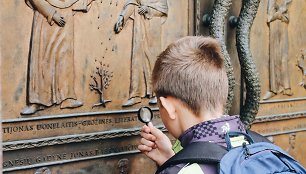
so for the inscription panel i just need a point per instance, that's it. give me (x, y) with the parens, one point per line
(282, 106)
(280, 127)
(135, 165)
(70, 152)
(33, 129)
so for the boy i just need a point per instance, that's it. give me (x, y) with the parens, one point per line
(191, 84)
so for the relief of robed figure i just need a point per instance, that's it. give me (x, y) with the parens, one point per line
(278, 20)
(148, 17)
(51, 55)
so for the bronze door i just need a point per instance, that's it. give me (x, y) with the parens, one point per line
(273, 40)
(75, 72)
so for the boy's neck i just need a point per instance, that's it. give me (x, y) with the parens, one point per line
(189, 119)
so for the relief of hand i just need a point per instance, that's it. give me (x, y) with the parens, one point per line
(155, 144)
(119, 24)
(59, 20)
(142, 10)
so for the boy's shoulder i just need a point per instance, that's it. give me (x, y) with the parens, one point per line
(246, 155)
(195, 157)
(195, 141)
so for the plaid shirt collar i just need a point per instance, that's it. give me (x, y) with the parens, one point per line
(212, 130)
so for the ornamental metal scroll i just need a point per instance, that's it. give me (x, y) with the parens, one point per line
(248, 68)
(217, 24)
(216, 29)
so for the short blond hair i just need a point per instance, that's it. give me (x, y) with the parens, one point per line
(192, 70)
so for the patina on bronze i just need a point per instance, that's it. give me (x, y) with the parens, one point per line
(51, 137)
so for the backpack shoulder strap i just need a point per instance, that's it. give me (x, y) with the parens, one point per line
(257, 137)
(198, 152)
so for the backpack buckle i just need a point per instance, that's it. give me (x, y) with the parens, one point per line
(236, 139)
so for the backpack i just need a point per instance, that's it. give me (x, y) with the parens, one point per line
(253, 157)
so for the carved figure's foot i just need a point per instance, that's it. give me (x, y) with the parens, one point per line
(268, 95)
(132, 101)
(32, 109)
(153, 100)
(71, 103)
(288, 92)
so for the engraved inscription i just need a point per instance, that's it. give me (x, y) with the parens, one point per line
(69, 124)
(62, 125)
(281, 107)
(24, 161)
(73, 125)
(280, 129)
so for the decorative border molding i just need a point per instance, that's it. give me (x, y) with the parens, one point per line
(282, 100)
(284, 132)
(278, 117)
(34, 143)
(84, 114)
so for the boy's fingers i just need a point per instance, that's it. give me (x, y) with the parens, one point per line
(148, 136)
(144, 148)
(145, 129)
(154, 131)
(146, 142)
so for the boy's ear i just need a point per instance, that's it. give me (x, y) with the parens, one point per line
(168, 105)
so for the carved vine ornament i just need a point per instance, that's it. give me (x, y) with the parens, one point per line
(216, 22)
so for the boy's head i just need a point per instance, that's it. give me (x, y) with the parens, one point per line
(192, 71)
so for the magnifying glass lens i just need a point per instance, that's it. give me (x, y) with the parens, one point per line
(145, 114)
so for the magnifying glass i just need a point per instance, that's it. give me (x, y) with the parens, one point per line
(145, 114)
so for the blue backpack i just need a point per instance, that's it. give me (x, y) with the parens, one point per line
(253, 157)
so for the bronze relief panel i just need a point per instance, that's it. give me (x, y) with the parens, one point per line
(75, 73)
(77, 58)
(280, 56)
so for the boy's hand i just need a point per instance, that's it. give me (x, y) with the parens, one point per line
(155, 144)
